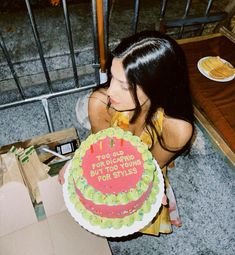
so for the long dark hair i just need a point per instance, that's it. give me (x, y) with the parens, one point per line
(157, 64)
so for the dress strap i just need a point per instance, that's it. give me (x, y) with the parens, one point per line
(160, 116)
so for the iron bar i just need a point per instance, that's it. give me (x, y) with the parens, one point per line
(95, 42)
(210, 2)
(135, 17)
(39, 45)
(70, 41)
(10, 64)
(163, 5)
(52, 95)
(47, 114)
(44, 101)
(186, 11)
(188, 21)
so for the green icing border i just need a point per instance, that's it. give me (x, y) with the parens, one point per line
(115, 223)
(110, 199)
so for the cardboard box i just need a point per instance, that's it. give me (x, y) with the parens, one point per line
(58, 234)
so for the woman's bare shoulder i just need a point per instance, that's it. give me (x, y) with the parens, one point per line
(98, 98)
(97, 110)
(176, 132)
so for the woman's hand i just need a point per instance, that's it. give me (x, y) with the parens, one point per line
(62, 172)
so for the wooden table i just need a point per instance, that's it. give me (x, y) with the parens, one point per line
(214, 102)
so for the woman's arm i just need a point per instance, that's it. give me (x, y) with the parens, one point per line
(176, 134)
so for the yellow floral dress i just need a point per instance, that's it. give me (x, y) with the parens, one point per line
(168, 214)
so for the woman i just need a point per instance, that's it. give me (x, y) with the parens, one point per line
(148, 95)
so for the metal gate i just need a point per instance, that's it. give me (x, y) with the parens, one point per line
(100, 12)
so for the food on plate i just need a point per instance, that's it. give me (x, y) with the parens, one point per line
(217, 68)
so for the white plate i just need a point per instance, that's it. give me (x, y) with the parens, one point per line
(205, 73)
(111, 232)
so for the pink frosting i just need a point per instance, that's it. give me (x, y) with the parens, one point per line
(110, 168)
(115, 211)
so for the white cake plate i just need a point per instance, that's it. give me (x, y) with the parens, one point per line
(112, 232)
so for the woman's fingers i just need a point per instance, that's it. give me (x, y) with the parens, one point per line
(164, 200)
(61, 176)
(62, 172)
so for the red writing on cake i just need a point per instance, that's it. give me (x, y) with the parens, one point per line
(114, 165)
(110, 167)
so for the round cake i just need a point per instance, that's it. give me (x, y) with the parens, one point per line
(113, 182)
